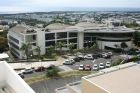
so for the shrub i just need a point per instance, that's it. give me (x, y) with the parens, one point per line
(51, 72)
(133, 59)
(116, 62)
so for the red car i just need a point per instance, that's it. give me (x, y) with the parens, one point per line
(87, 67)
(40, 69)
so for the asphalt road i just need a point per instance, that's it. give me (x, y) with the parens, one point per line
(49, 86)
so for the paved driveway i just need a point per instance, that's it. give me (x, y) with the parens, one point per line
(49, 86)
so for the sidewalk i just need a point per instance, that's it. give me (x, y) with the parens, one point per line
(36, 64)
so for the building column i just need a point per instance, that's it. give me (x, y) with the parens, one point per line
(80, 40)
(41, 41)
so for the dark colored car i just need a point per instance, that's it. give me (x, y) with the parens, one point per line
(76, 59)
(21, 75)
(40, 69)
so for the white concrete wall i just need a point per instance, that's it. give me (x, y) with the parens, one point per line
(2, 77)
(13, 80)
(102, 44)
(80, 40)
(41, 41)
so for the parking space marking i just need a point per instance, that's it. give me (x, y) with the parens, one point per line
(93, 61)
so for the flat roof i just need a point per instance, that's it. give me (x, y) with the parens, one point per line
(126, 80)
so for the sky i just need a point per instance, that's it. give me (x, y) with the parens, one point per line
(55, 5)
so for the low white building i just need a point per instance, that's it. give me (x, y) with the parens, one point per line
(10, 82)
(82, 35)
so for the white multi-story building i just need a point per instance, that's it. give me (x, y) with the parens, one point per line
(82, 35)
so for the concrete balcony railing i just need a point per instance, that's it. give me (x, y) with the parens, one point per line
(10, 82)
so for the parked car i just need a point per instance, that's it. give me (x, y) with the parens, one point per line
(108, 64)
(40, 69)
(101, 66)
(95, 67)
(68, 62)
(81, 67)
(81, 57)
(88, 56)
(87, 68)
(27, 71)
(106, 56)
(76, 59)
(110, 53)
(21, 75)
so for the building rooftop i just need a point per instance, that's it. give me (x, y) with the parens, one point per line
(23, 29)
(57, 26)
(118, 80)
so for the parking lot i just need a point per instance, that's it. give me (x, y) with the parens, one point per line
(97, 61)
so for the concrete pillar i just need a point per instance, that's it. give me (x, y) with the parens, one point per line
(80, 40)
(41, 41)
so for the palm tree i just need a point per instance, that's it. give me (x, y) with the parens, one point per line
(94, 46)
(71, 46)
(59, 45)
(50, 50)
(25, 49)
(37, 49)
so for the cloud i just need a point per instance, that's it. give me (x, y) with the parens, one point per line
(42, 5)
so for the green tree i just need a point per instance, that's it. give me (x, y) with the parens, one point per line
(94, 46)
(25, 49)
(37, 49)
(51, 72)
(50, 50)
(59, 45)
(3, 44)
(71, 47)
(136, 37)
(116, 46)
(124, 45)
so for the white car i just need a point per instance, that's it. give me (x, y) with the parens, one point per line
(68, 62)
(95, 67)
(27, 71)
(108, 64)
(110, 53)
(101, 66)
(81, 67)
(88, 56)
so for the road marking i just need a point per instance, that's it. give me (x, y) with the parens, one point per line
(93, 61)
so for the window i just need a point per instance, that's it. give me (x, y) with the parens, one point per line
(61, 35)
(50, 36)
(14, 45)
(72, 34)
(64, 41)
(49, 43)
(34, 37)
(13, 39)
(73, 40)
